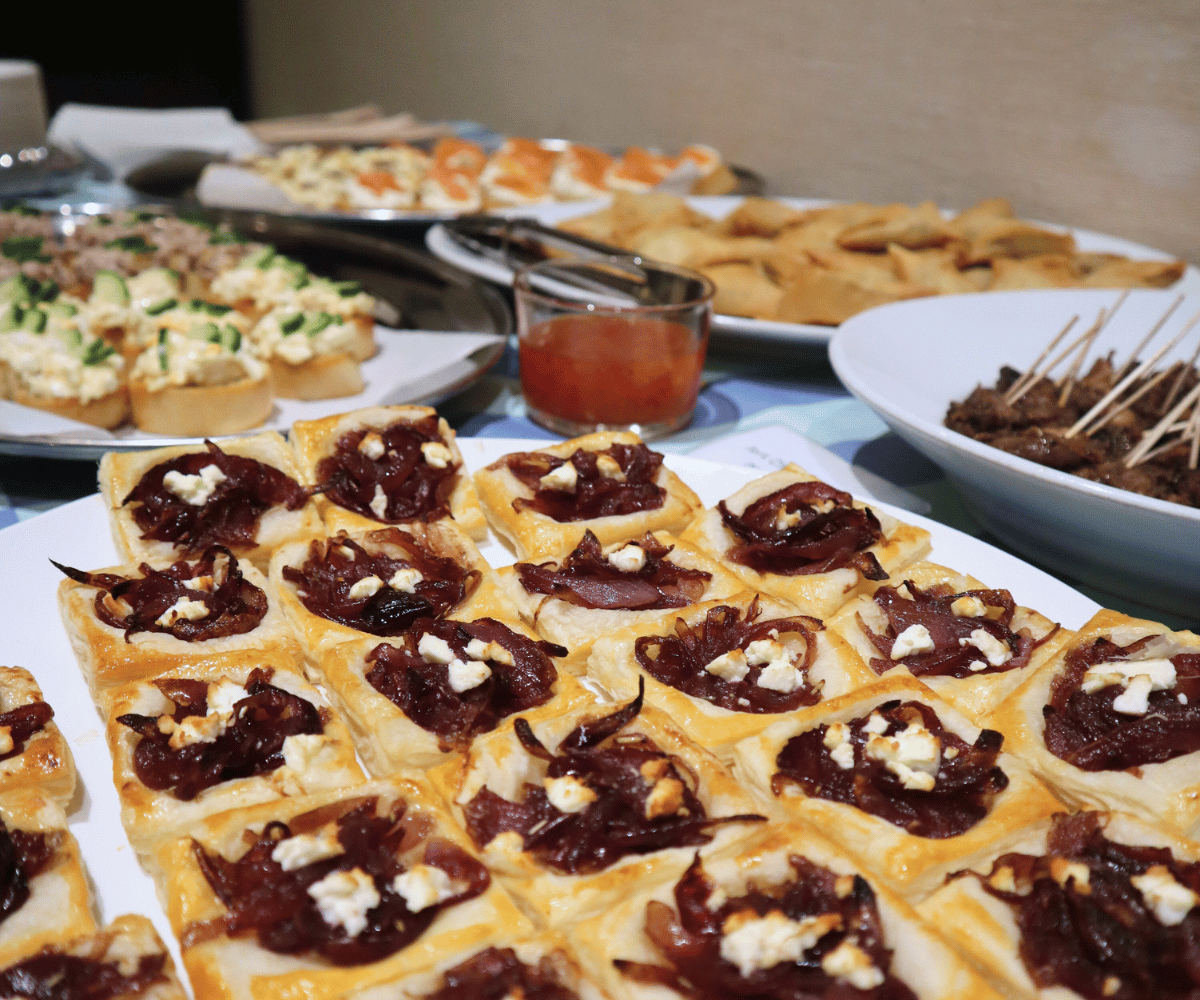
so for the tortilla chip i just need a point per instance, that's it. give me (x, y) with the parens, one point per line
(827, 298)
(914, 228)
(1012, 238)
(936, 269)
(1123, 273)
(761, 217)
(635, 212)
(1047, 271)
(686, 247)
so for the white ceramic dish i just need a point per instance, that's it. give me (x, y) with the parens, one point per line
(77, 534)
(1123, 543)
(438, 241)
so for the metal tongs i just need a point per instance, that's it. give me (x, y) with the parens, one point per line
(515, 243)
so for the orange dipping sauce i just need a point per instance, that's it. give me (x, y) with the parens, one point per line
(612, 370)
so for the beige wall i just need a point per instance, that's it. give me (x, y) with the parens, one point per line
(1085, 112)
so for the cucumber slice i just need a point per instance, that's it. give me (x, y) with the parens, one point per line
(263, 259)
(108, 286)
(205, 331)
(23, 289)
(71, 338)
(161, 307)
(346, 288)
(231, 338)
(98, 350)
(164, 361)
(24, 248)
(317, 322)
(63, 310)
(211, 308)
(34, 320)
(291, 324)
(10, 318)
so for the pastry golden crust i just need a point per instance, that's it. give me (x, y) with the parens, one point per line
(836, 670)
(223, 967)
(120, 472)
(974, 696)
(314, 440)
(125, 943)
(913, 866)
(45, 765)
(573, 626)
(387, 739)
(312, 763)
(107, 659)
(1166, 793)
(201, 410)
(534, 536)
(919, 958)
(500, 763)
(985, 928)
(485, 598)
(59, 906)
(817, 594)
(327, 376)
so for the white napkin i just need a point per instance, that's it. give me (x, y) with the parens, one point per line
(126, 138)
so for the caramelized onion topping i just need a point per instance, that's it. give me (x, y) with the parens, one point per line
(325, 580)
(251, 743)
(230, 515)
(953, 654)
(1087, 731)
(680, 659)
(1099, 938)
(260, 897)
(688, 938)
(497, 974)
(595, 493)
(69, 977)
(805, 528)
(412, 486)
(24, 854)
(422, 689)
(963, 790)
(623, 772)
(22, 723)
(587, 579)
(135, 604)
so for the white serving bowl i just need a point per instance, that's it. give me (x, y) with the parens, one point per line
(908, 361)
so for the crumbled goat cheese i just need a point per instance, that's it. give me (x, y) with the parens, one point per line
(378, 502)
(423, 886)
(434, 650)
(182, 608)
(629, 559)
(6, 740)
(344, 899)
(665, 798)
(850, 963)
(223, 695)
(405, 580)
(306, 848)
(785, 519)
(568, 794)
(372, 446)
(731, 667)
(875, 723)
(914, 639)
(752, 942)
(477, 649)
(778, 666)
(913, 755)
(968, 606)
(563, 478)
(301, 750)
(466, 675)
(202, 583)
(1064, 871)
(195, 490)
(1170, 901)
(368, 586)
(837, 742)
(194, 729)
(436, 454)
(1138, 677)
(994, 650)
(610, 468)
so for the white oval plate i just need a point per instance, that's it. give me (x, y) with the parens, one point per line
(77, 534)
(908, 361)
(439, 243)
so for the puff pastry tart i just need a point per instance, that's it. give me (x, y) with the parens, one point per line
(386, 464)
(178, 501)
(44, 895)
(126, 624)
(429, 692)
(799, 539)
(33, 752)
(595, 589)
(1112, 721)
(971, 645)
(202, 740)
(1095, 905)
(541, 502)
(725, 670)
(574, 813)
(328, 895)
(379, 582)
(911, 787)
(780, 913)
(124, 961)
(543, 967)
